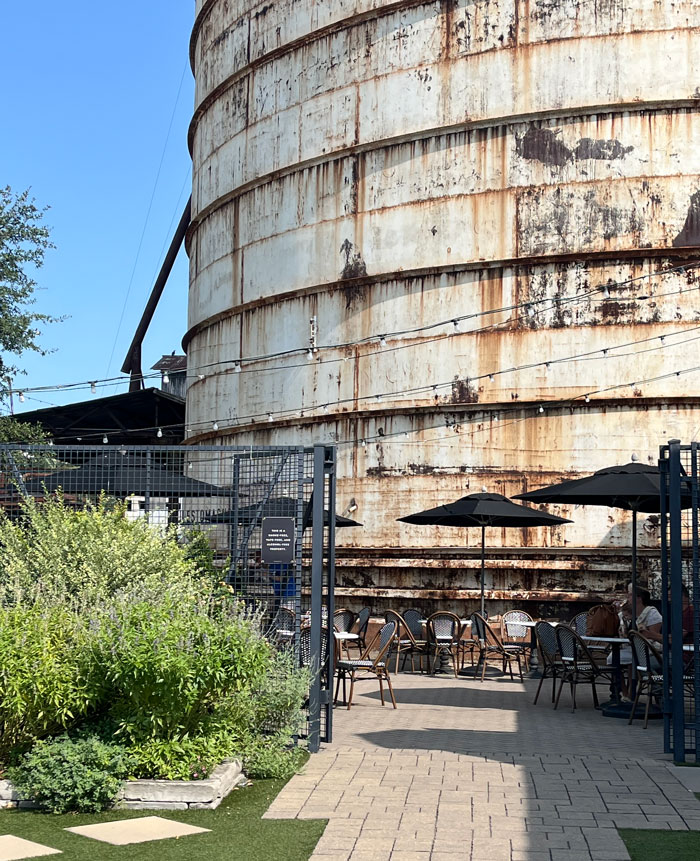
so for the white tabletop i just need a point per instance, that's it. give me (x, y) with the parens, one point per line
(688, 647)
(619, 640)
(345, 635)
(462, 621)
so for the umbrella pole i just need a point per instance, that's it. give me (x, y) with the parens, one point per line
(633, 623)
(483, 566)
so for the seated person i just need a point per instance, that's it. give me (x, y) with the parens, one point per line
(649, 622)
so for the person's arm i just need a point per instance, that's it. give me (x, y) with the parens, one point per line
(653, 632)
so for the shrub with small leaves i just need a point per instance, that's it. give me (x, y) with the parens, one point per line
(72, 775)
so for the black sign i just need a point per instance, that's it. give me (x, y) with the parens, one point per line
(278, 535)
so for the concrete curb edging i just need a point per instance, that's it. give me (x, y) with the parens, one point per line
(160, 794)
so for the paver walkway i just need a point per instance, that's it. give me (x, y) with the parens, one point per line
(464, 771)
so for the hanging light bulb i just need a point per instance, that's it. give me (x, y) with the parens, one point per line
(587, 399)
(455, 323)
(662, 339)
(325, 408)
(363, 443)
(605, 351)
(496, 417)
(310, 354)
(189, 464)
(93, 388)
(21, 397)
(270, 417)
(378, 398)
(236, 367)
(541, 409)
(530, 311)
(200, 376)
(491, 378)
(382, 341)
(166, 379)
(104, 439)
(635, 457)
(547, 366)
(606, 292)
(159, 433)
(215, 426)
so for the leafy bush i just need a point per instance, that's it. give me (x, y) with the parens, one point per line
(108, 629)
(54, 551)
(48, 680)
(170, 667)
(64, 775)
(183, 759)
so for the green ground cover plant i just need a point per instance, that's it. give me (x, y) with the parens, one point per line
(237, 830)
(112, 632)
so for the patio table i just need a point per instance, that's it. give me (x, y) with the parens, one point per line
(614, 707)
(343, 638)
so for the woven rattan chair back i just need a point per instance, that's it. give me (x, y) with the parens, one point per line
(343, 620)
(647, 657)
(478, 627)
(362, 621)
(305, 646)
(547, 641)
(510, 629)
(412, 620)
(579, 623)
(444, 626)
(571, 647)
(386, 636)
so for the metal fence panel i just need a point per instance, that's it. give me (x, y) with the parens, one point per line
(264, 512)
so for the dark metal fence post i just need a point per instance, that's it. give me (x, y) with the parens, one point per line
(696, 595)
(676, 627)
(316, 598)
(665, 606)
(331, 473)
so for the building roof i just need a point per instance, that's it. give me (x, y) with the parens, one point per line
(171, 363)
(131, 418)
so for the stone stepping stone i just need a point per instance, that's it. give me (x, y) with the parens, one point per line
(15, 848)
(145, 828)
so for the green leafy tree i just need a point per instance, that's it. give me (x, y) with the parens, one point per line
(14, 430)
(24, 240)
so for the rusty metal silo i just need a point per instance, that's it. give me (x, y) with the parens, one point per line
(365, 169)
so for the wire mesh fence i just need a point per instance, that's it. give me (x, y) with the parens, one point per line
(269, 540)
(680, 599)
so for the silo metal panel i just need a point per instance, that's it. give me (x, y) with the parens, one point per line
(382, 166)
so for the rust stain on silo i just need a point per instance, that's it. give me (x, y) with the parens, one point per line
(390, 166)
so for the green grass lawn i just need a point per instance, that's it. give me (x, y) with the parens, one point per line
(237, 831)
(660, 845)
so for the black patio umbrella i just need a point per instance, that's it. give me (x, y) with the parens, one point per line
(123, 475)
(277, 506)
(633, 486)
(483, 509)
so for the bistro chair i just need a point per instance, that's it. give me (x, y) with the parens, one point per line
(579, 623)
(343, 620)
(471, 642)
(444, 630)
(370, 668)
(283, 627)
(361, 623)
(493, 648)
(406, 643)
(649, 663)
(550, 662)
(578, 665)
(514, 633)
(307, 660)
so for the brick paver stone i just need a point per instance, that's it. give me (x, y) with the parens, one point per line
(472, 771)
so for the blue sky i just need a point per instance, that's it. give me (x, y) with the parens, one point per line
(97, 98)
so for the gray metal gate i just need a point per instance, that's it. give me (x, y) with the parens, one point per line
(680, 585)
(232, 495)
